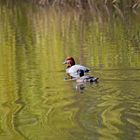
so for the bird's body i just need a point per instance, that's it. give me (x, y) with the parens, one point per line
(85, 79)
(72, 68)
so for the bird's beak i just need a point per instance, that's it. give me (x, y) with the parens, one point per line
(65, 62)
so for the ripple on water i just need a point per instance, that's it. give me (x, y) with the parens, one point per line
(109, 111)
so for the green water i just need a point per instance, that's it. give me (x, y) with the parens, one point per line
(35, 101)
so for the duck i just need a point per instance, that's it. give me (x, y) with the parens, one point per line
(85, 78)
(72, 68)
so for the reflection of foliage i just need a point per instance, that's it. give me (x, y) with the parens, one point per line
(91, 3)
(34, 44)
(108, 7)
(120, 4)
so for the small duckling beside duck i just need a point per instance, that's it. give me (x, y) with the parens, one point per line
(72, 68)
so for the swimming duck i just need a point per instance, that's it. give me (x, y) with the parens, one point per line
(72, 68)
(84, 79)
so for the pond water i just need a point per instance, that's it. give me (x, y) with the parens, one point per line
(36, 103)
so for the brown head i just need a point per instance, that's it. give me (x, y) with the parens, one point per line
(69, 61)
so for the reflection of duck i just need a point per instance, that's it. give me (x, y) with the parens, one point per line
(72, 68)
(83, 78)
(80, 87)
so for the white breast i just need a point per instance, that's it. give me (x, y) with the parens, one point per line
(72, 71)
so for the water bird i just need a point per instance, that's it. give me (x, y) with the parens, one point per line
(72, 68)
(85, 78)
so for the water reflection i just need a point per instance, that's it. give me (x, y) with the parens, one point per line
(80, 87)
(83, 86)
(36, 103)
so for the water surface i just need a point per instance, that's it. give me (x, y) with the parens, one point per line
(37, 104)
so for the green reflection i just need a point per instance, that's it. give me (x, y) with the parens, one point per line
(35, 101)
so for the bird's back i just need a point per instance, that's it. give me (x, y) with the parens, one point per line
(73, 70)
